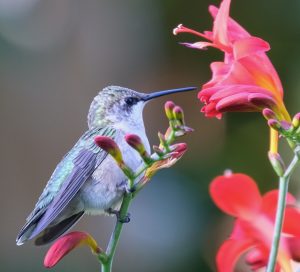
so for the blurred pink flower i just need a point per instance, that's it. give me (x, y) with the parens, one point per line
(67, 243)
(238, 196)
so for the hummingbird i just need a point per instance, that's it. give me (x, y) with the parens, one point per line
(87, 180)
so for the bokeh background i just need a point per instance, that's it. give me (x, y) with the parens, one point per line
(55, 56)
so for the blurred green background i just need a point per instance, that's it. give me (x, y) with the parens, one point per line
(55, 56)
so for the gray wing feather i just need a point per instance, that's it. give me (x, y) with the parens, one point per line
(82, 160)
(71, 186)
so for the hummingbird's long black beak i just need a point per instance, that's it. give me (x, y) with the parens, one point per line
(150, 96)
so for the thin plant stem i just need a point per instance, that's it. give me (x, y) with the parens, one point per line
(114, 239)
(283, 189)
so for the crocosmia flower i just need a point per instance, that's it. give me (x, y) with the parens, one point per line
(67, 243)
(246, 80)
(238, 196)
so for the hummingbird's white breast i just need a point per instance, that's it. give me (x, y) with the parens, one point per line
(106, 187)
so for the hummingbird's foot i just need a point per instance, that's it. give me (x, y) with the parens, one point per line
(123, 186)
(130, 190)
(125, 219)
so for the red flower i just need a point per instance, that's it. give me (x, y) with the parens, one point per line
(238, 195)
(246, 80)
(67, 243)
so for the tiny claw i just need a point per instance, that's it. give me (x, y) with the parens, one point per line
(111, 211)
(130, 190)
(126, 218)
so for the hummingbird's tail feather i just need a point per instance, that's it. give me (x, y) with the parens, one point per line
(53, 232)
(50, 233)
(28, 228)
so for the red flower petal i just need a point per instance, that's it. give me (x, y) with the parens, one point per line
(232, 102)
(236, 31)
(220, 33)
(220, 70)
(263, 72)
(257, 257)
(269, 203)
(291, 221)
(67, 243)
(236, 194)
(218, 93)
(294, 247)
(229, 253)
(248, 46)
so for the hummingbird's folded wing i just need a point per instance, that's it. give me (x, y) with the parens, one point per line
(84, 158)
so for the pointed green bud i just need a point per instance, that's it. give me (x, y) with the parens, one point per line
(178, 114)
(269, 114)
(136, 143)
(169, 106)
(296, 120)
(277, 163)
(162, 139)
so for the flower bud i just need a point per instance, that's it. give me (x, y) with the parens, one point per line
(136, 143)
(168, 132)
(269, 114)
(110, 146)
(178, 150)
(162, 139)
(178, 114)
(169, 106)
(67, 243)
(274, 124)
(296, 120)
(277, 163)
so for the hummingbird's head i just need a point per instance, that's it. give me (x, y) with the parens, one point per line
(122, 107)
(116, 105)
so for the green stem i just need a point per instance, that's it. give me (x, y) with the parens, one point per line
(107, 258)
(114, 239)
(283, 189)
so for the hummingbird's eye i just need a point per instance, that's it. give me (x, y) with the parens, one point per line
(130, 101)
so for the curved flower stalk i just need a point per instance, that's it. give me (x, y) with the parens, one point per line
(246, 80)
(238, 196)
(165, 155)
